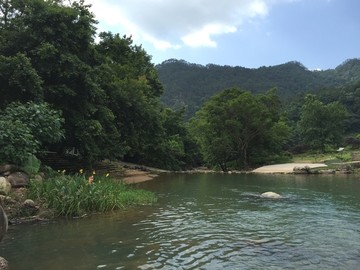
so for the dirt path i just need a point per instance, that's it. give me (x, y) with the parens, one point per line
(287, 167)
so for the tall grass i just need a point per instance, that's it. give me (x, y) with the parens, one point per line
(74, 196)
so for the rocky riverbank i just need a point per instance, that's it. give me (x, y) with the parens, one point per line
(20, 209)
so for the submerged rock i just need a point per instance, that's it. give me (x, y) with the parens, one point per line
(270, 195)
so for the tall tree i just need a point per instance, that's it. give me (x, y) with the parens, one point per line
(234, 124)
(108, 92)
(322, 124)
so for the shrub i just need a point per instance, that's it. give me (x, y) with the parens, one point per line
(74, 196)
(25, 128)
(16, 142)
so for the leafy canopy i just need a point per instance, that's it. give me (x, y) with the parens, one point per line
(322, 124)
(108, 92)
(234, 125)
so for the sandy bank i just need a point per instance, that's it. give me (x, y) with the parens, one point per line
(287, 167)
(133, 176)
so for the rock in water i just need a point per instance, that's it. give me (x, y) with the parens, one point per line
(3, 223)
(270, 195)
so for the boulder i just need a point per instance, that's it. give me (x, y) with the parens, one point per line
(302, 170)
(3, 264)
(8, 168)
(29, 203)
(5, 186)
(18, 179)
(271, 195)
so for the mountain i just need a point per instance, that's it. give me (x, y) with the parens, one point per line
(187, 84)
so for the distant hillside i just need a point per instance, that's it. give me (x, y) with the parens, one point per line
(189, 85)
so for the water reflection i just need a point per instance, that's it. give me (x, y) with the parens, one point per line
(207, 222)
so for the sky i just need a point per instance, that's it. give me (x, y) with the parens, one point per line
(320, 34)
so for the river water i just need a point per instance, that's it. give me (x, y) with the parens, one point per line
(207, 221)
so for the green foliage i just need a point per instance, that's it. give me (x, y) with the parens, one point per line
(108, 91)
(26, 128)
(345, 156)
(19, 81)
(44, 122)
(32, 165)
(321, 124)
(16, 142)
(235, 125)
(74, 196)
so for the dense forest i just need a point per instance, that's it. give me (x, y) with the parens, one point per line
(189, 85)
(62, 91)
(68, 90)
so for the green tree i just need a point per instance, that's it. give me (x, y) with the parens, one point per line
(19, 81)
(108, 91)
(322, 124)
(235, 124)
(26, 129)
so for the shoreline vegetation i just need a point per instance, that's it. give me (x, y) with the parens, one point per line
(88, 101)
(73, 196)
(57, 194)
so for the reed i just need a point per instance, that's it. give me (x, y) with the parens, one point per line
(75, 196)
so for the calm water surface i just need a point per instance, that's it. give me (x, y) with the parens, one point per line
(207, 222)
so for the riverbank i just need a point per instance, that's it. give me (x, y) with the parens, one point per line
(288, 167)
(20, 209)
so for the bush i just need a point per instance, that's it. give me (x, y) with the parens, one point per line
(43, 122)
(16, 142)
(32, 165)
(25, 128)
(74, 196)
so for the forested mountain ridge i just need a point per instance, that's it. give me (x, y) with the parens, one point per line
(187, 84)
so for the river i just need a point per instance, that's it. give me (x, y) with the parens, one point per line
(207, 221)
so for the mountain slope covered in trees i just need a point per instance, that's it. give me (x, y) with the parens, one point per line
(190, 85)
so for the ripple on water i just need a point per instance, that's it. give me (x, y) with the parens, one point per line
(227, 228)
(257, 234)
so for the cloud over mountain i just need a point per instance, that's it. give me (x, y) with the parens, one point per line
(177, 23)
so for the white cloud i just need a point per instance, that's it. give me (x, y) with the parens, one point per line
(175, 23)
(203, 36)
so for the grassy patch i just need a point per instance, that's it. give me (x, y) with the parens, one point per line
(74, 196)
(314, 157)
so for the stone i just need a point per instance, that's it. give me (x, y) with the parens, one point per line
(29, 203)
(4, 265)
(18, 179)
(6, 200)
(3, 223)
(29, 208)
(270, 195)
(5, 186)
(302, 170)
(4, 168)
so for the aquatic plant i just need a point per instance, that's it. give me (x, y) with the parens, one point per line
(75, 195)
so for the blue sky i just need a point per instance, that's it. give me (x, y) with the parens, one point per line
(320, 34)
